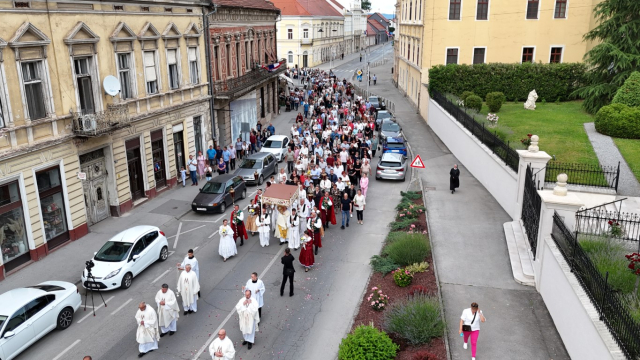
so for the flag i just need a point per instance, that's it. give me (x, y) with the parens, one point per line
(271, 67)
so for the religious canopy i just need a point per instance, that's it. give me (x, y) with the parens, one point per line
(280, 194)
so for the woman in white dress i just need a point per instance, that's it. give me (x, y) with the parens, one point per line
(227, 247)
(264, 226)
(294, 230)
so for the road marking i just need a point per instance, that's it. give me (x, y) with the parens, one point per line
(212, 235)
(95, 309)
(215, 333)
(121, 306)
(204, 221)
(196, 248)
(67, 349)
(184, 232)
(175, 243)
(171, 253)
(220, 218)
(161, 275)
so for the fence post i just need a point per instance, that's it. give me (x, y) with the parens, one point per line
(617, 176)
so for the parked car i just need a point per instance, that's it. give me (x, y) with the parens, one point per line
(392, 166)
(29, 313)
(381, 116)
(125, 256)
(377, 103)
(263, 163)
(394, 145)
(215, 195)
(389, 128)
(276, 145)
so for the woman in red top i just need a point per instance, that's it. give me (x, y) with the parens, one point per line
(299, 118)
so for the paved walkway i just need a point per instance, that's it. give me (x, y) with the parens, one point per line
(609, 155)
(471, 252)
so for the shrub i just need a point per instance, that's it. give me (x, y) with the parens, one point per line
(418, 267)
(395, 235)
(629, 92)
(418, 289)
(377, 299)
(367, 343)
(465, 95)
(402, 224)
(411, 248)
(619, 120)
(402, 277)
(410, 195)
(410, 211)
(383, 265)
(417, 319)
(474, 102)
(424, 355)
(495, 100)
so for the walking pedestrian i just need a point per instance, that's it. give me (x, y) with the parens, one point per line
(315, 225)
(147, 334)
(222, 347)
(237, 225)
(226, 156)
(188, 287)
(190, 259)
(364, 185)
(201, 162)
(287, 271)
(347, 209)
(193, 170)
(359, 202)
(264, 227)
(211, 155)
(470, 326)
(257, 290)
(168, 310)
(227, 247)
(374, 79)
(247, 309)
(289, 157)
(254, 211)
(454, 178)
(183, 176)
(293, 233)
(306, 257)
(282, 226)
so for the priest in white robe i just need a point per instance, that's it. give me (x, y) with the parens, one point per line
(257, 290)
(293, 234)
(168, 310)
(191, 260)
(147, 333)
(282, 224)
(303, 211)
(227, 247)
(222, 347)
(264, 226)
(247, 309)
(188, 287)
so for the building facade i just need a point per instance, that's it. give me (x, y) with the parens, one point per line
(74, 151)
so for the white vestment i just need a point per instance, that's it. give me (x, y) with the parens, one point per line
(303, 212)
(225, 346)
(227, 247)
(263, 223)
(168, 313)
(249, 319)
(257, 291)
(194, 265)
(294, 232)
(147, 335)
(188, 287)
(282, 223)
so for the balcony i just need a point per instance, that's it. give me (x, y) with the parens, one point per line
(306, 41)
(101, 123)
(236, 87)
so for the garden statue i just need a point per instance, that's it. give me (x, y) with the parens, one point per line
(531, 100)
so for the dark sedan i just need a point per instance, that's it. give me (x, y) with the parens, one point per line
(216, 195)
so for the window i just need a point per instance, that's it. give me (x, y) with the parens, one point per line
(125, 69)
(33, 89)
(289, 34)
(83, 81)
(194, 68)
(2, 116)
(454, 9)
(216, 62)
(452, 56)
(150, 71)
(168, 9)
(21, 4)
(137, 248)
(144, 8)
(527, 54)
(305, 33)
(246, 56)
(238, 60)
(410, 9)
(561, 9)
(172, 63)
(16, 320)
(478, 55)
(290, 57)
(228, 48)
(482, 12)
(409, 52)
(532, 9)
(118, 7)
(150, 238)
(556, 55)
(37, 305)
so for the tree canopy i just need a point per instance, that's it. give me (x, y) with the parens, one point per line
(365, 4)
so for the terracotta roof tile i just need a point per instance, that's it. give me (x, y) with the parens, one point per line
(305, 7)
(382, 17)
(250, 4)
(336, 3)
(371, 31)
(376, 24)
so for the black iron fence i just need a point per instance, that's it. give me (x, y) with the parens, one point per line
(490, 139)
(584, 174)
(610, 224)
(609, 304)
(531, 205)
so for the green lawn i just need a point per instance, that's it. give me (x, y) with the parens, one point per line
(630, 150)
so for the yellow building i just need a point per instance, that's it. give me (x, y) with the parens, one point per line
(483, 31)
(70, 153)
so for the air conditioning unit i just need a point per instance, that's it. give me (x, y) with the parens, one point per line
(88, 122)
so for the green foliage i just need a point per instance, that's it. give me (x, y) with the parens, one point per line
(402, 224)
(409, 249)
(619, 120)
(495, 100)
(402, 277)
(515, 81)
(383, 265)
(418, 267)
(629, 93)
(410, 195)
(365, 4)
(417, 319)
(391, 29)
(473, 102)
(465, 95)
(608, 256)
(395, 235)
(367, 343)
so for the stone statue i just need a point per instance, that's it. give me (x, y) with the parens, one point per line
(531, 100)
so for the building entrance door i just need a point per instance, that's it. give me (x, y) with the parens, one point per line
(134, 164)
(178, 148)
(96, 198)
(157, 149)
(305, 61)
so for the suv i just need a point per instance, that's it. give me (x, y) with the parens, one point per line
(394, 145)
(392, 166)
(263, 163)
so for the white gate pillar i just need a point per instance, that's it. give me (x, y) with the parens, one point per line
(538, 161)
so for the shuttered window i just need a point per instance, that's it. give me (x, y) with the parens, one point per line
(150, 72)
(33, 89)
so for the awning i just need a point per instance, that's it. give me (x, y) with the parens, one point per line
(288, 79)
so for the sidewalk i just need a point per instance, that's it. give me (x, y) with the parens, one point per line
(471, 252)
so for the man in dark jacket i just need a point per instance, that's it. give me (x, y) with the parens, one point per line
(287, 271)
(351, 191)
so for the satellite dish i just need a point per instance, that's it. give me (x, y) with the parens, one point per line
(111, 85)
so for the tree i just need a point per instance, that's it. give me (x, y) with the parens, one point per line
(391, 29)
(365, 4)
(616, 55)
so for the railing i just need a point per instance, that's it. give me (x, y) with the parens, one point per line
(235, 86)
(491, 140)
(609, 304)
(306, 41)
(531, 205)
(103, 122)
(584, 174)
(611, 224)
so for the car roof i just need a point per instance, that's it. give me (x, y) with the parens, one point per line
(392, 157)
(222, 178)
(395, 139)
(14, 299)
(132, 234)
(258, 155)
(388, 120)
(277, 137)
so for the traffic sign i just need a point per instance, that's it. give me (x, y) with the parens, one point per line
(417, 162)
(359, 72)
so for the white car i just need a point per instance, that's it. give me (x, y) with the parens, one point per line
(276, 145)
(124, 256)
(29, 313)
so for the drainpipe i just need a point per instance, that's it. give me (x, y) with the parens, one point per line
(209, 69)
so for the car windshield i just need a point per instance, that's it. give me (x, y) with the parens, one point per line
(273, 144)
(113, 251)
(383, 115)
(251, 164)
(390, 126)
(390, 164)
(373, 99)
(213, 188)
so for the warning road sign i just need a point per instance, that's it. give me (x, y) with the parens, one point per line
(417, 162)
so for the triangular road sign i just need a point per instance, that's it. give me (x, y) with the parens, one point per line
(417, 162)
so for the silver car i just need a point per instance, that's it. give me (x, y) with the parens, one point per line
(263, 163)
(389, 128)
(392, 166)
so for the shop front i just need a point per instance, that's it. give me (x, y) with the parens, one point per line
(52, 205)
(13, 236)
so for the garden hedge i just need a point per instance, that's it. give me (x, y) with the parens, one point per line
(551, 81)
(619, 120)
(629, 92)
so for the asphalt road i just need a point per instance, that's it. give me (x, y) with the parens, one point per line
(308, 325)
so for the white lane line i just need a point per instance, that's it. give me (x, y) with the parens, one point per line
(175, 243)
(96, 309)
(161, 275)
(121, 306)
(220, 218)
(215, 333)
(203, 221)
(196, 248)
(186, 231)
(171, 253)
(212, 235)
(67, 349)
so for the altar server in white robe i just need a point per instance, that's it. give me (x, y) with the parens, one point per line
(227, 247)
(191, 260)
(168, 310)
(303, 210)
(222, 347)
(257, 290)
(264, 226)
(188, 287)
(282, 226)
(294, 230)
(147, 333)
(247, 309)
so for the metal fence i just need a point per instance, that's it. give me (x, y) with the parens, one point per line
(612, 224)
(531, 205)
(490, 139)
(584, 174)
(609, 303)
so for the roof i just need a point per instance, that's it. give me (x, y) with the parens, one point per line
(250, 4)
(280, 194)
(132, 234)
(277, 137)
(371, 31)
(258, 155)
(14, 299)
(392, 156)
(376, 24)
(304, 7)
(382, 17)
(336, 3)
(222, 178)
